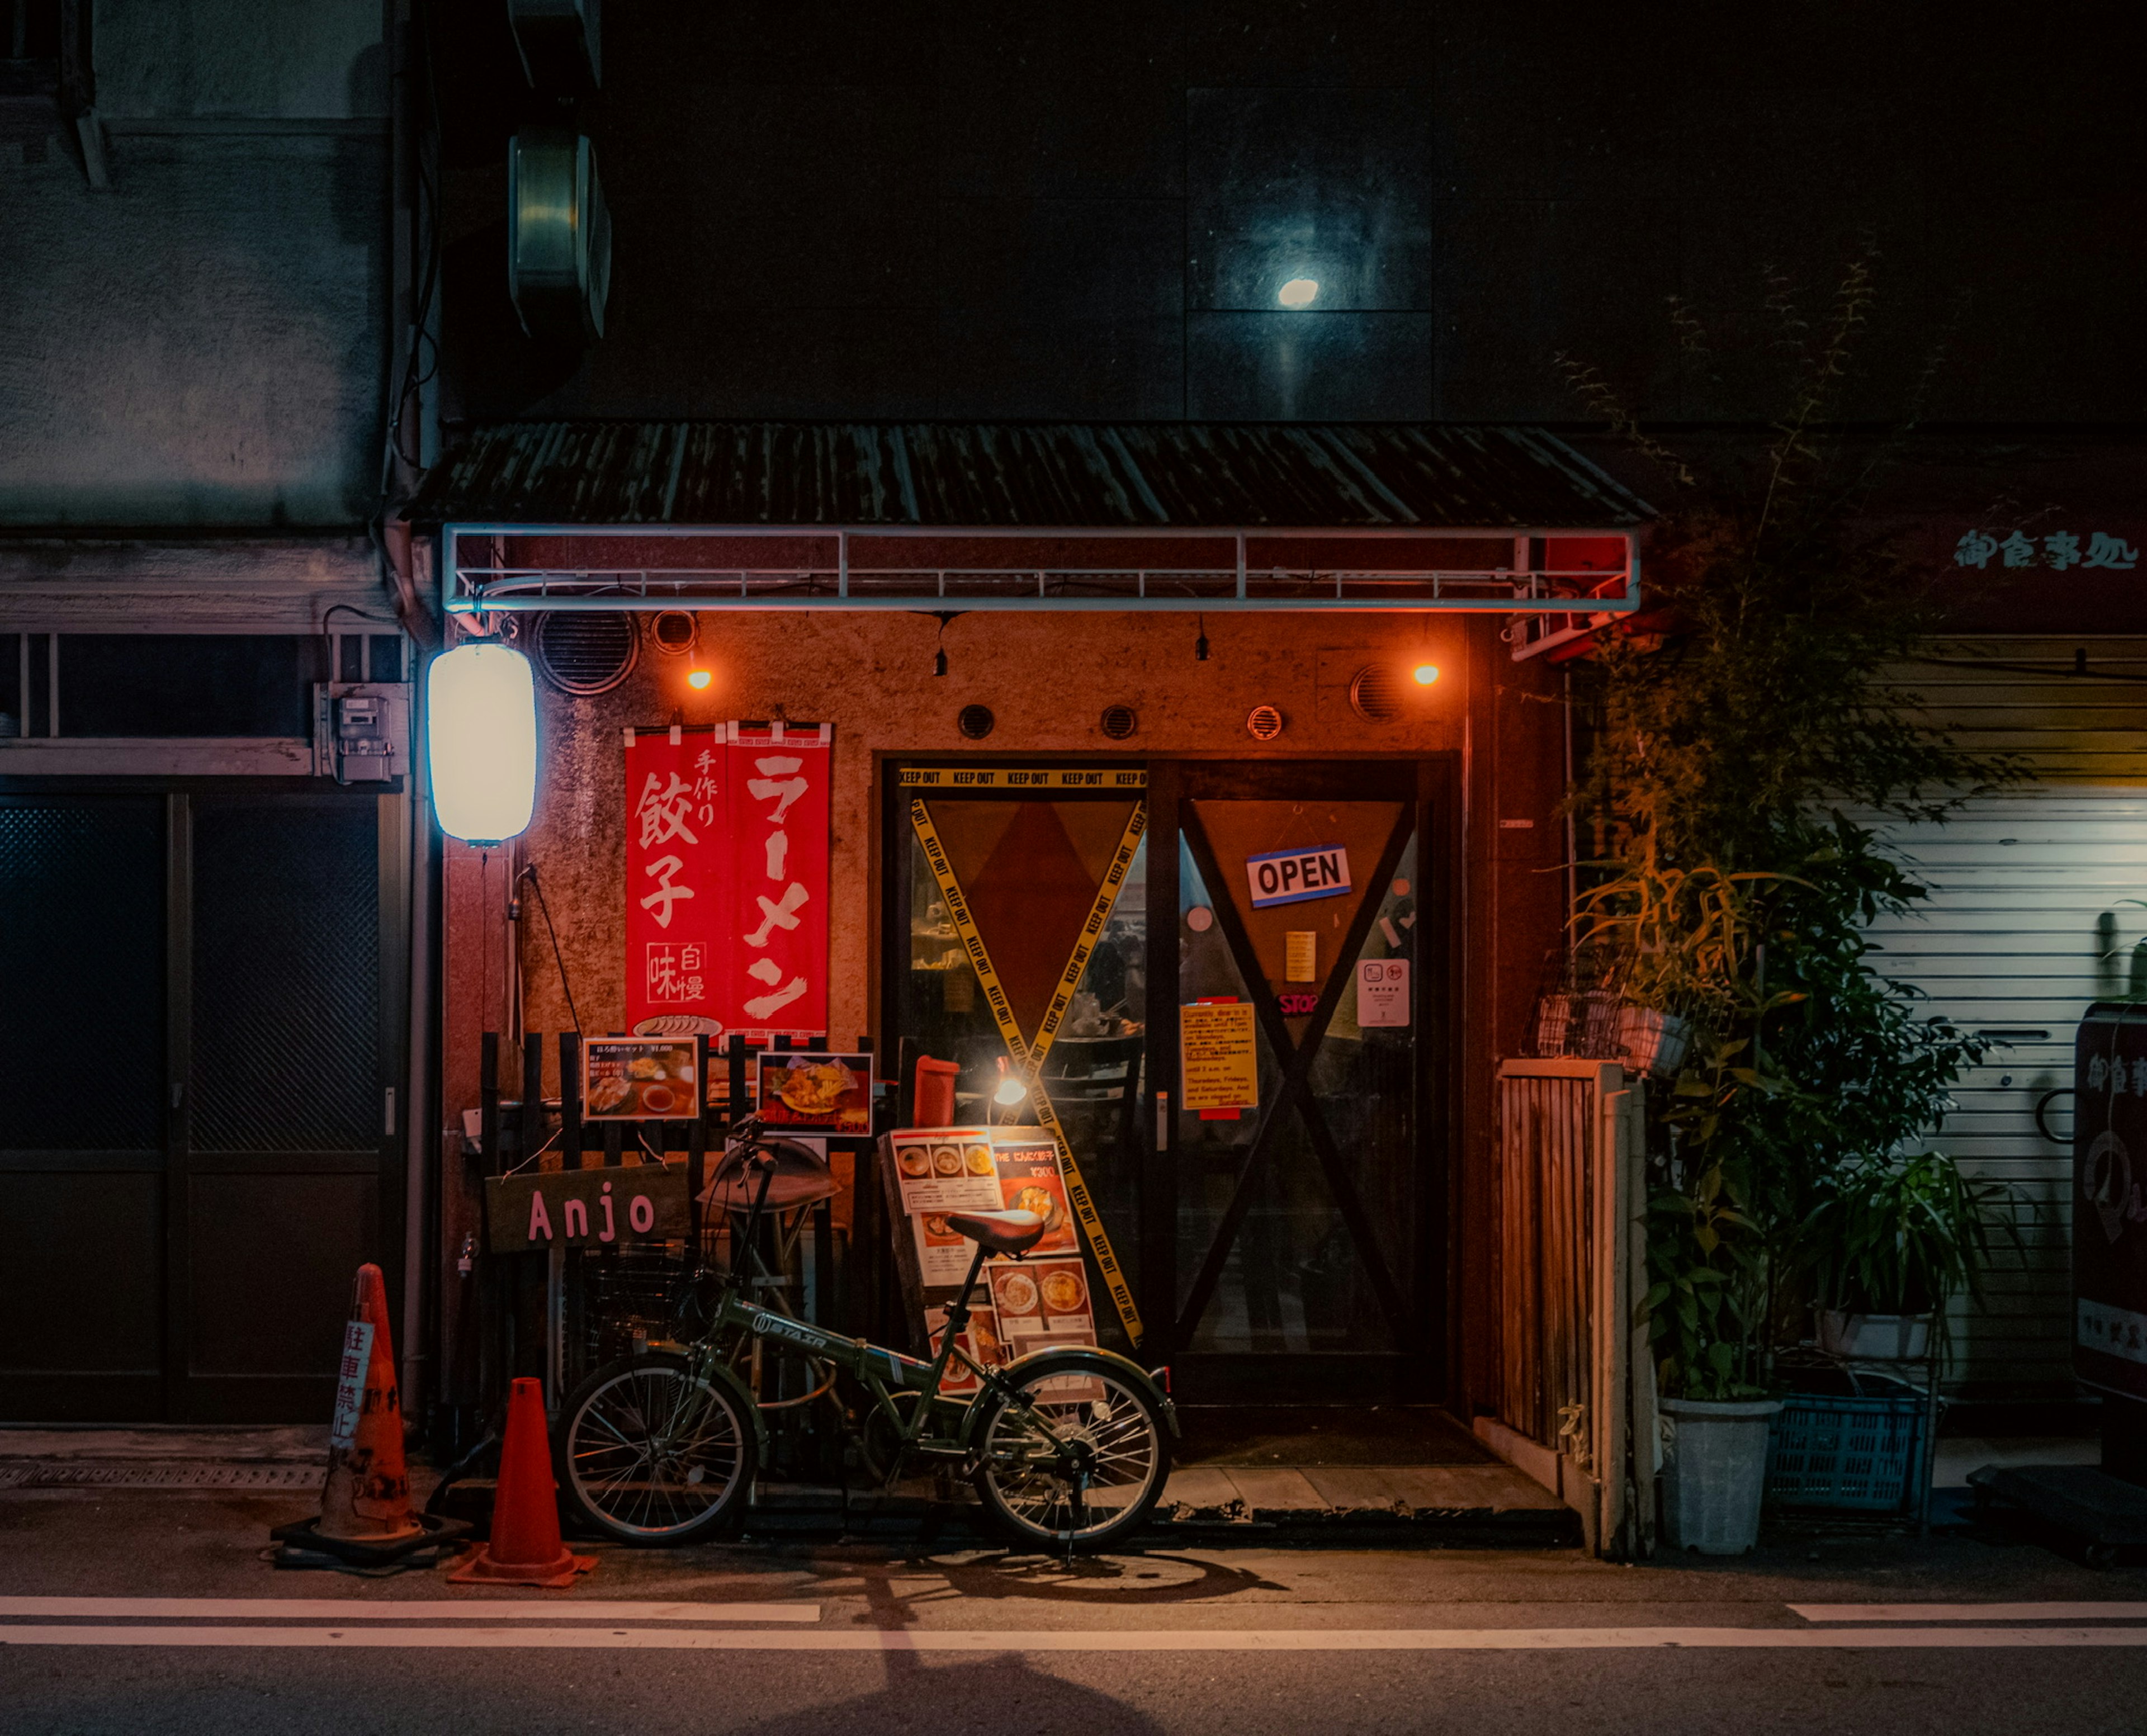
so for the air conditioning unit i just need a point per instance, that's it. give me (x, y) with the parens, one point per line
(558, 42)
(558, 235)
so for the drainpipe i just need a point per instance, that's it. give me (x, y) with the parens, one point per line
(419, 1136)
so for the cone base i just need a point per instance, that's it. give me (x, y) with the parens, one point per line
(431, 1531)
(477, 1568)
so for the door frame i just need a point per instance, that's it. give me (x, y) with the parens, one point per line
(1416, 1370)
(1430, 782)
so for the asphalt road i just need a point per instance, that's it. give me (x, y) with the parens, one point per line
(1224, 1639)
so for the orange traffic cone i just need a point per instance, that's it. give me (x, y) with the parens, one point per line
(366, 1517)
(524, 1547)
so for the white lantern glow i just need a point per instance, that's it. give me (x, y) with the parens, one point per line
(481, 742)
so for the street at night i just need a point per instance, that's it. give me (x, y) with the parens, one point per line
(1094, 866)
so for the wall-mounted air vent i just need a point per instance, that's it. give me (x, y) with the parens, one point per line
(976, 721)
(1118, 722)
(1264, 723)
(586, 653)
(558, 235)
(1375, 694)
(673, 631)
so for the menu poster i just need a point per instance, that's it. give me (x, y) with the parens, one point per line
(1029, 1181)
(946, 1169)
(980, 1340)
(1043, 1299)
(809, 1091)
(637, 1078)
(943, 1254)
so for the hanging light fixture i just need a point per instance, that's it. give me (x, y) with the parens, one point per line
(481, 742)
(1200, 644)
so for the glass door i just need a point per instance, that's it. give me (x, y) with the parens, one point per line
(1305, 1160)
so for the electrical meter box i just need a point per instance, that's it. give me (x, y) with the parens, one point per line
(361, 730)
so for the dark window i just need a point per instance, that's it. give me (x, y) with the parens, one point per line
(350, 658)
(384, 650)
(162, 684)
(32, 29)
(10, 685)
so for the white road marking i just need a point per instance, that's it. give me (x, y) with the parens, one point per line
(1184, 1639)
(1970, 1612)
(429, 1609)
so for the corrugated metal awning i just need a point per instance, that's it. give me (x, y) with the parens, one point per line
(609, 515)
(1039, 475)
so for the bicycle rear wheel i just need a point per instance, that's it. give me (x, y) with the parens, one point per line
(652, 1452)
(1080, 1465)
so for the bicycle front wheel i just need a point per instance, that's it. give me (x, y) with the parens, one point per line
(653, 1452)
(1079, 1462)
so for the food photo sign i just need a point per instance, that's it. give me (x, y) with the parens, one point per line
(811, 1092)
(1040, 1300)
(638, 1078)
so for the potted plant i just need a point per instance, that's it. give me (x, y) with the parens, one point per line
(1707, 1312)
(1889, 1244)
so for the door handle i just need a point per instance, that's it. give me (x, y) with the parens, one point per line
(388, 1114)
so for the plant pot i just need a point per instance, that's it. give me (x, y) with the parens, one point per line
(1715, 1471)
(1654, 1042)
(1876, 1338)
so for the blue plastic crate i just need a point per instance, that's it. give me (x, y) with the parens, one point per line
(1863, 1454)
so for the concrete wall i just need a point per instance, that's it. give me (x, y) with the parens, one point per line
(1084, 208)
(203, 343)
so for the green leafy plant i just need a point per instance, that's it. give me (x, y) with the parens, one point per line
(1901, 1238)
(1726, 753)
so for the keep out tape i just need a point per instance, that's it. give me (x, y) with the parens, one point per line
(1028, 1055)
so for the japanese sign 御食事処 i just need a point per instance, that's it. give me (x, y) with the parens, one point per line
(1218, 1059)
(727, 880)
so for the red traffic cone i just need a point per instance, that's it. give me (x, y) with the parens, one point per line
(366, 1517)
(524, 1547)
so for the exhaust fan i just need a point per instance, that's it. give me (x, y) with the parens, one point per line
(558, 235)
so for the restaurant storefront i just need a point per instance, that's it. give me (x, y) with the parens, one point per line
(1238, 823)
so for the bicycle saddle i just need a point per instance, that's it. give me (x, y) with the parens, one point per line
(800, 1176)
(1001, 1232)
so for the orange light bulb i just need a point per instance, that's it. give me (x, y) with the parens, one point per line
(1426, 673)
(698, 678)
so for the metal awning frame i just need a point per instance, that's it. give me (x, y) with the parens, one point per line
(1527, 587)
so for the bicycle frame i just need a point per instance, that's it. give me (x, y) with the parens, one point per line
(882, 1372)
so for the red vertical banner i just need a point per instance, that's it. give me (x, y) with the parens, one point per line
(678, 880)
(778, 785)
(727, 880)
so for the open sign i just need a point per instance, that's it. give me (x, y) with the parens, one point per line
(1290, 877)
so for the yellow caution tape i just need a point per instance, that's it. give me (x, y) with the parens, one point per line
(1028, 1056)
(968, 778)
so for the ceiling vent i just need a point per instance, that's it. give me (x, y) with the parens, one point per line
(1264, 723)
(587, 653)
(1118, 721)
(558, 235)
(976, 721)
(1375, 694)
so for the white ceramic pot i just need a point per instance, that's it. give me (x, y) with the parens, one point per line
(1715, 1471)
(1874, 1337)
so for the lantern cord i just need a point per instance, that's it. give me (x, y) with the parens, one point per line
(559, 958)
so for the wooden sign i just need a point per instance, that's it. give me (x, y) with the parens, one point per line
(586, 1208)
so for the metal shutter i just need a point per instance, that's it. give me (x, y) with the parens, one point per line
(2030, 918)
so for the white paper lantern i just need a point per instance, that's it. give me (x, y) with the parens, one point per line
(481, 742)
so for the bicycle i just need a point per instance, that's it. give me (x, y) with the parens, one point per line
(1066, 1447)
